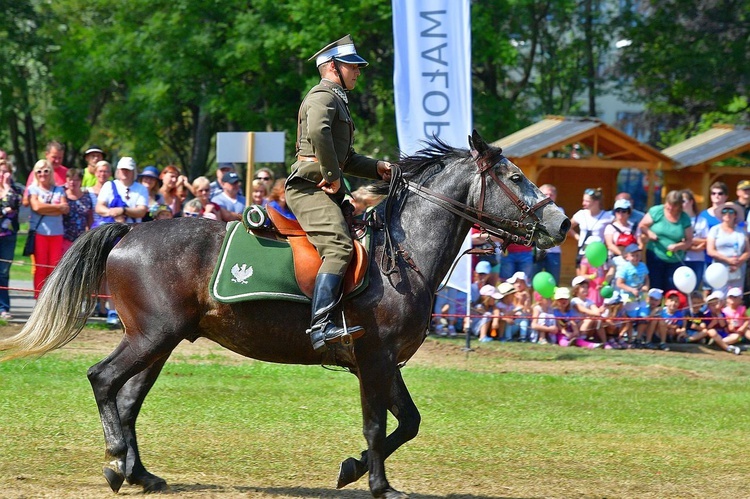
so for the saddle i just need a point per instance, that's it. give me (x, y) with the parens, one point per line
(307, 262)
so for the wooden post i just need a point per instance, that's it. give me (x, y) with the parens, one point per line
(250, 173)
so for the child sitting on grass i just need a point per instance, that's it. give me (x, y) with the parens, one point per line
(715, 324)
(543, 319)
(736, 313)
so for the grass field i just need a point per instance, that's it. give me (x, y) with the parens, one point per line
(503, 421)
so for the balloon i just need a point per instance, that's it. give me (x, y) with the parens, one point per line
(596, 253)
(716, 275)
(684, 279)
(544, 284)
(606, 291)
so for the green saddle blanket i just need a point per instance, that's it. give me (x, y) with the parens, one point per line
(254, 268)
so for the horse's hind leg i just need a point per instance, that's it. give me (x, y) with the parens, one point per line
(382, 388)
(107, 378)
(129, 402)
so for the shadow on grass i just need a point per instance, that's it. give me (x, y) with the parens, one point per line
(310, 492)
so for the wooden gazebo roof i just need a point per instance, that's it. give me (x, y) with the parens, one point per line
(706, 150)
(539, 146)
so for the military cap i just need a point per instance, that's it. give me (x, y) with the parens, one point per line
(342, 50)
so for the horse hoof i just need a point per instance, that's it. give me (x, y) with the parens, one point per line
(350, 471)
(114, 479)
(392, 494)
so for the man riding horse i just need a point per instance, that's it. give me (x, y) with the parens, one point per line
(325, 134)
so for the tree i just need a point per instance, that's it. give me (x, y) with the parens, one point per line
(688, 59)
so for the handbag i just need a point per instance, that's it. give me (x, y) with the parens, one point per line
(28, 248)
(117, 202)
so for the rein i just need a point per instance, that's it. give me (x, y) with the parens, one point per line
(500, 227)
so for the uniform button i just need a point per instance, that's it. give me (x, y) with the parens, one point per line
(330, 174)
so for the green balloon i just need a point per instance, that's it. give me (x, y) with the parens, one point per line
(596, 253)
(544, 284)
(606, 291)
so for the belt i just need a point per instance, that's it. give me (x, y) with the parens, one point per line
(311, 159)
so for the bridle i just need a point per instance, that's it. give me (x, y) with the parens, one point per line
(488, 223)
(496, 226)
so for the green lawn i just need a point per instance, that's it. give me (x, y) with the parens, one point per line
(510, 421)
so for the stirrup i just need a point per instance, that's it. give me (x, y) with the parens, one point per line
(328, 333)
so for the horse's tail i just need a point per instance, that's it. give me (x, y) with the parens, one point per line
(68, 297)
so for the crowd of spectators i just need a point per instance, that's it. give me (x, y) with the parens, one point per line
(629, 301)
(66, 202)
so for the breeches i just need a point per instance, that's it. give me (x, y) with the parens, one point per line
(321, 217)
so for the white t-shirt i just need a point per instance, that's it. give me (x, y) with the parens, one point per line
(591, 225)
(134, 195)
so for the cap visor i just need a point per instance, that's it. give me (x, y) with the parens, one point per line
(352, 59)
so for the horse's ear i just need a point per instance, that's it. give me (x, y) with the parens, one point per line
(477, 143)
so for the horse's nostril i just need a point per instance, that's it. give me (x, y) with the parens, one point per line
(565, 227)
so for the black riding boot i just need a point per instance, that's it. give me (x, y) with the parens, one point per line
(326, 296)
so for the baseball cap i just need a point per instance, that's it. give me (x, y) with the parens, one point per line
(622, 204)
(655, 293)
(230, 177)
(743, 184)
(483, 267)
(94, 149)
(578, 280)
(631, 248)
(716, 295)
(126, 163)
(226, 166)
(736, 292)
(561, 293)
(518, 275)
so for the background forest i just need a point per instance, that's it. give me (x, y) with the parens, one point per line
(157, 79)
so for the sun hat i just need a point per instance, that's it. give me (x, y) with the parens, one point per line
(490, 290)
(579, 280)
(483, 267)
(149, 171)
(518, 275)
(505, 289)
(126, 163)
(561, 294)
(733, 206)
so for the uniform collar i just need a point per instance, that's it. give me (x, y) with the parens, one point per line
(337, 89)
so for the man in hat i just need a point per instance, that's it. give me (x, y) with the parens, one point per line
(92, 156)
(325, 134)
(216, 185)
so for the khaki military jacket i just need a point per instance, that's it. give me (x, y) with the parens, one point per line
(325, 135)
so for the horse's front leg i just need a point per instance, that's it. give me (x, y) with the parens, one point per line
(375, 381)
(406, 413)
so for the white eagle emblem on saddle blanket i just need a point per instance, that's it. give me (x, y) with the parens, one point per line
(241, 274)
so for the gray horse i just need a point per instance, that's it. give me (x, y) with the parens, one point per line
(158, 274)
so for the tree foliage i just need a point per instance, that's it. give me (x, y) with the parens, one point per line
(157, 79)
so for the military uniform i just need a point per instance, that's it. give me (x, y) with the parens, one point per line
(325, 135)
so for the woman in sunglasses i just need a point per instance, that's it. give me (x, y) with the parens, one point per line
(48, 205)
(621, 232)
(667, 233)
(727, 244)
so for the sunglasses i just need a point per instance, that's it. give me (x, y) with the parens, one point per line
(191, 214)
(622, 210)
(127, 194)
(43, 172)
(203, 190)
(728, 210)
(262, 178)
(718, 193)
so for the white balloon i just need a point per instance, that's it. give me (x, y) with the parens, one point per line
(717, 275)
(685, 279)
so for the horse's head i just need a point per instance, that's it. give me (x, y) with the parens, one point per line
(530, 216)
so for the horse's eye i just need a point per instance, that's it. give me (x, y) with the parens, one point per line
(516, 177)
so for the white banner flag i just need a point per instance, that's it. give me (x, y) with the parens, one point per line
(432, 74)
